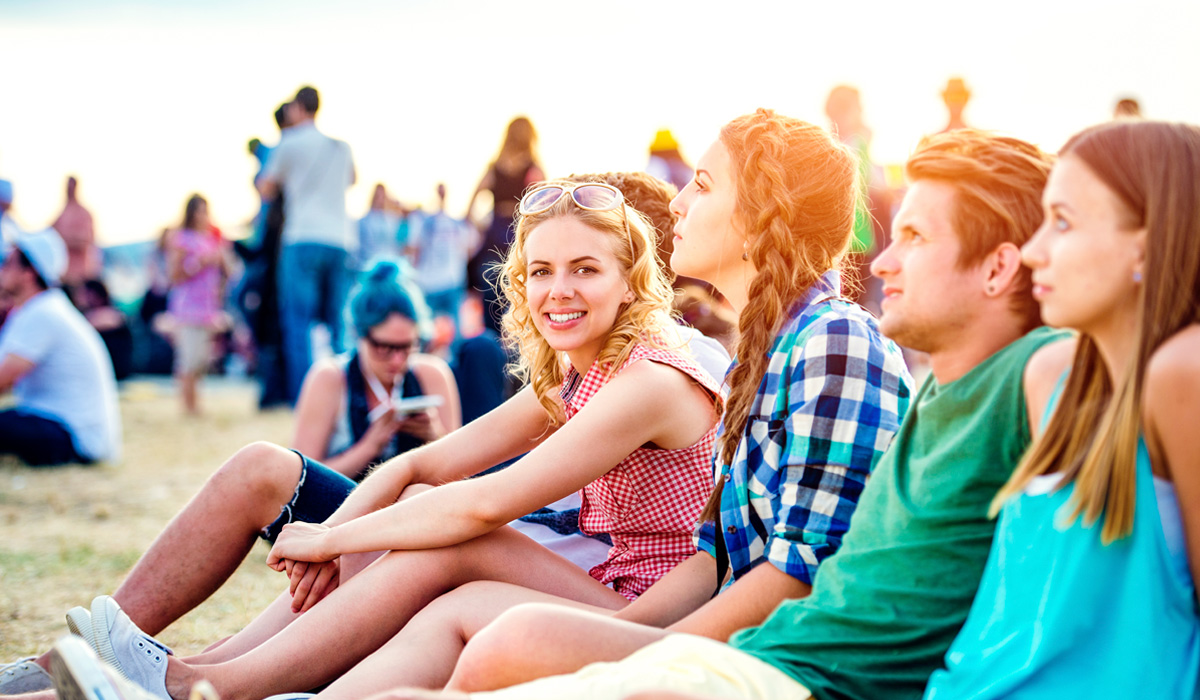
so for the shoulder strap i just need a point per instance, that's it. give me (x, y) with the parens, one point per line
(722, 555)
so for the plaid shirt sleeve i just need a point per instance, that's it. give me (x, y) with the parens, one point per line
(846, 389)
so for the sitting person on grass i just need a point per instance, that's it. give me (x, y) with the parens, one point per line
(345, 416)
(54, 364)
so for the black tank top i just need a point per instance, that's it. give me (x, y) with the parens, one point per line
(509, 187)
(356, 386)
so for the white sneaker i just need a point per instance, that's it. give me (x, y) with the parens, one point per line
(79, 675)
(23, 676)
(79, 622)
(134, 654)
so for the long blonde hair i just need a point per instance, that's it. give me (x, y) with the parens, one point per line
(643, 320)
(797, 189)
(1153, 168)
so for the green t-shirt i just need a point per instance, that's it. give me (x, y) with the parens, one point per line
(885, 608)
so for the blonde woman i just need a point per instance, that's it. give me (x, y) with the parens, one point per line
(610, 409)
(1090, 588)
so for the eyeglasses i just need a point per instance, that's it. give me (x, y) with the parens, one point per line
(388, 350)
(590, 196)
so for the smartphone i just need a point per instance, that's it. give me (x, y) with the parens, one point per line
(404, 407)
(416, 404)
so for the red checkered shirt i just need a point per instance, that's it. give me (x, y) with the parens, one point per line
(649, 503)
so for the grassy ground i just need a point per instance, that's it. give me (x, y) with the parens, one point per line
(69, 534)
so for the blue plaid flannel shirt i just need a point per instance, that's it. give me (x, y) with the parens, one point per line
(833, 397)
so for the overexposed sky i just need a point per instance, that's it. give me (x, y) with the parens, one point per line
(150, 101)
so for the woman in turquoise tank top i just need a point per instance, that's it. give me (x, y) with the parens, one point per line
(1088, 591)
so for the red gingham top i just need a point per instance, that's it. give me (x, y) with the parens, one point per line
(649, 503)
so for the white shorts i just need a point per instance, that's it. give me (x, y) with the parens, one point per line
(193, 349)
(682, 663)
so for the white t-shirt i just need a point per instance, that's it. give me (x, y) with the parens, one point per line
(708, 353)
(315, 172)
(72, 377)
(443, 246)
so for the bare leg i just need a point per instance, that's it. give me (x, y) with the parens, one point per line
(275, 617)
(423, 654)
(366, 611)
(538, 640)
(204, 544)
(187, 390)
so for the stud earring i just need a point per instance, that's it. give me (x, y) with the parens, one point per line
(991, 289)
(1137, 277)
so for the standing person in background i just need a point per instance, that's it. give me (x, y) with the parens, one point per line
(197, 261)
(442, 246)
(955, 96)
(314, 172)
(844, 109)
(75, 226)
(258, 295)
(378, 230)
(54, 364)
(515, 168)
(666, 162)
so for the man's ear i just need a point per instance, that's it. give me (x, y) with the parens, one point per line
(1000, 268)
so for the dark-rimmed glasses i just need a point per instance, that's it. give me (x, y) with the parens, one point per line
(388, 350)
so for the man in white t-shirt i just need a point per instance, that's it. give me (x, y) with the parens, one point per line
(54, 363)
(315, 268)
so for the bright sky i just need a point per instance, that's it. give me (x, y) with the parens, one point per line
(148, 101)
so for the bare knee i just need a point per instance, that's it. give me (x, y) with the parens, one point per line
(489, 653)
(260, 476)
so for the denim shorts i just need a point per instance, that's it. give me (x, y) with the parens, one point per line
(318, 494)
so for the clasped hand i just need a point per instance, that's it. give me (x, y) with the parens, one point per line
(312, 571)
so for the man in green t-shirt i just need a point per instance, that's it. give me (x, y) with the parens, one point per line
(884, 609)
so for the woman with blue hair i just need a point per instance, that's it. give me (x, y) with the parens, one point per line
(349, 414)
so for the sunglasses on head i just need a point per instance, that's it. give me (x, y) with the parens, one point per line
(388, 350)
(590, 196)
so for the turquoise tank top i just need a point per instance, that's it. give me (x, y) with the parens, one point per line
(1059, 615)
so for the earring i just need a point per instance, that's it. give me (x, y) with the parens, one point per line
(991, 289)
(1137, 277)
(745, 251)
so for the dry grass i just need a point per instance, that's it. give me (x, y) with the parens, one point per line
(69, 534)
